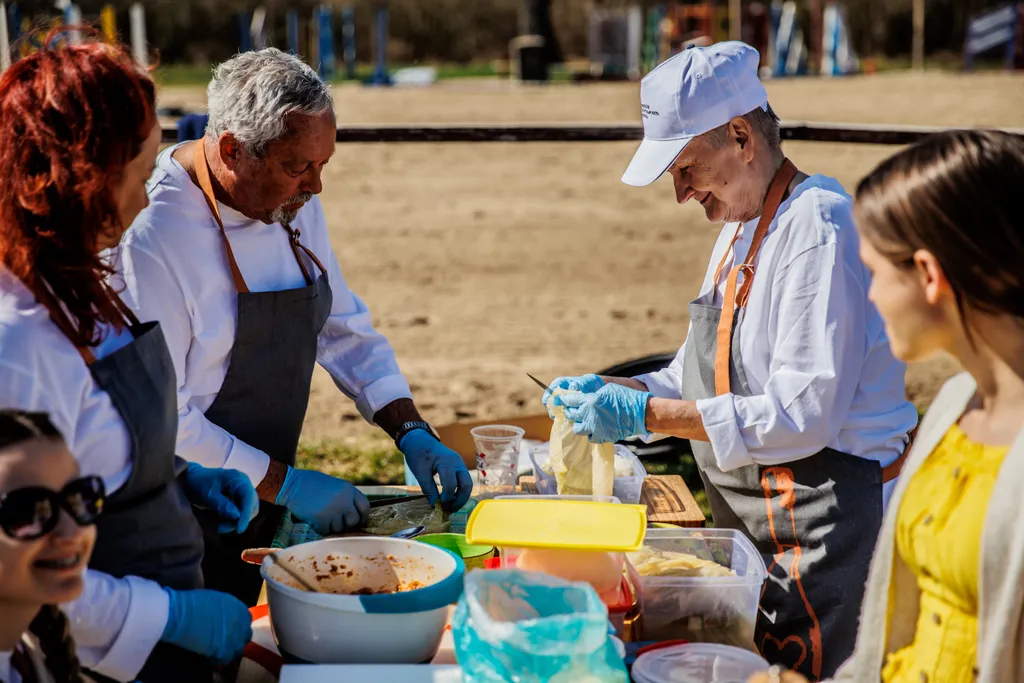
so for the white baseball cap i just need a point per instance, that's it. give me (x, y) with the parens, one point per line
(697, 90)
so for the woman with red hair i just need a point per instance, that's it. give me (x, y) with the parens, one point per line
(78, 140)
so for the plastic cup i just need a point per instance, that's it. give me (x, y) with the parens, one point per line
(497, 455)
(474, 556)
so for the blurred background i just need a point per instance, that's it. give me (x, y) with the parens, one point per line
(484, 261)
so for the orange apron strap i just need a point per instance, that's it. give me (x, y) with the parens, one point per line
(736, 293)
(206, 185)
(294, 235)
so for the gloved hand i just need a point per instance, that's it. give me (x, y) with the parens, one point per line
(426, 456)
(330, 505)
(588, 384)
(611, 414)
(210, 623)
(228, 492)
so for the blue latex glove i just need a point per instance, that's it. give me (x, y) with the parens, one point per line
(210, 623)
(228, 492)
(426, 456)
(611, 414)
(588, 384)
(330, 505)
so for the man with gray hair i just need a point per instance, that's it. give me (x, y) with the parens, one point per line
(785, 384)
(233, 258)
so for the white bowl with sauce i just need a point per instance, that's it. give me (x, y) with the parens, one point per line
(385, 600)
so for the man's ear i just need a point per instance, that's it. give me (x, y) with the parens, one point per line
(230, 150)
(741, 135)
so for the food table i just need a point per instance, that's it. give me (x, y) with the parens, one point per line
(668, 501)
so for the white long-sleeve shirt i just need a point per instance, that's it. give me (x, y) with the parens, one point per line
(813, 347)
(116, 622)
(175, 270)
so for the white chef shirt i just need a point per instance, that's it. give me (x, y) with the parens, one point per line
(175, 270)
(116, 622)
(814, 349)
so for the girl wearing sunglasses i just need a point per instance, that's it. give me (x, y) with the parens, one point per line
(47, 513)
(942, 231)
(78, 140)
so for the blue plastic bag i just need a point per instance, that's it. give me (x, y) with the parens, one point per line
(520, 627)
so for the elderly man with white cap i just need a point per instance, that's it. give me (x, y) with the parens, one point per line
(785, 384)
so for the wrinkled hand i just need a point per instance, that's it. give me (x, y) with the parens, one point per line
(426, 456)
(611, 414)
(587, 384)
(327, 503)
(229, 493)
(213, 624)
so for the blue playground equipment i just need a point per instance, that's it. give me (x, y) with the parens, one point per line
(324, 16)
(348, 40)
(993, 29)
(380, 76)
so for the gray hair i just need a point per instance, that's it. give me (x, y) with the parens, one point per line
(765, 123)
(252, 93)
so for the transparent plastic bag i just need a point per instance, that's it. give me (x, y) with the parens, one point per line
(528, 627)
(580, 467)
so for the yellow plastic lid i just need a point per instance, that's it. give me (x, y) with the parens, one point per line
(575, 525)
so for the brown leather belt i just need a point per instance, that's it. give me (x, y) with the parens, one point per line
(891, 472)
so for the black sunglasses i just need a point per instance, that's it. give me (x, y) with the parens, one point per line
(30, 513)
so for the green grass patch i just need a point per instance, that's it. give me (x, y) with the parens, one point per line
(181, 74)
(199, 75)
(368, 462)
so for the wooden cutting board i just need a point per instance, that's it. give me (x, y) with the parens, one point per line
(667, 497)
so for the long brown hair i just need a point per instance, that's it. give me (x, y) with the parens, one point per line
(956, 195)
(73, 117)
(50, 626)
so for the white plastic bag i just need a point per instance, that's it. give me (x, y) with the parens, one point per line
(580, 467)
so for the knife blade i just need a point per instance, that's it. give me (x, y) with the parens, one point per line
(392, 501)
(543, 386)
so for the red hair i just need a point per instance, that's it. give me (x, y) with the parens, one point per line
(71, 118)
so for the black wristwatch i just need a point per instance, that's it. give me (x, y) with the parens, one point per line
(412, 426)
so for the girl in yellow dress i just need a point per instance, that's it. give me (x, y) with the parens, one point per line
(942, 230)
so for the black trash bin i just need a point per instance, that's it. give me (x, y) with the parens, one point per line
(533, 64)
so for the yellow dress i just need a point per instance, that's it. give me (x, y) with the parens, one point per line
(938, 536)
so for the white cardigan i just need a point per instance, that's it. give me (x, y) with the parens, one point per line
(1001, 583)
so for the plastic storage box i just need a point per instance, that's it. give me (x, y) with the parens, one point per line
(626, 489)
(697, 663)
(704, 610)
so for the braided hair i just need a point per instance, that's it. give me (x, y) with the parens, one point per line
(50, 626)
(53, 630)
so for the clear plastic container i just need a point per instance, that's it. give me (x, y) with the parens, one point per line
(551, 496)
(697, 663)
(628, 489)
(704, 609)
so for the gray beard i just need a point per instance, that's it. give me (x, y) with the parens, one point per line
(286, 216)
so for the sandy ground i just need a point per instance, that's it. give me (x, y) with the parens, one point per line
(482, 262)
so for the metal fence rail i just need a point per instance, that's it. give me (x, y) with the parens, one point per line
(797, 131)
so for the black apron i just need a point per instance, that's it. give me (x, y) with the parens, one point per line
(264, 395)
(814, 520)
(147, 528)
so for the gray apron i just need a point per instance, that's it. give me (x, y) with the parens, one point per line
(814, 520)
(264, 395)
(147, 528)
